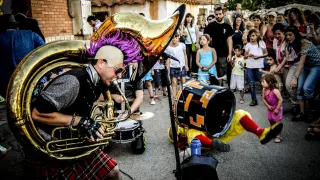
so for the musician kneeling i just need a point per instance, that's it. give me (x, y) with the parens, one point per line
(67, 101)
(241, 122)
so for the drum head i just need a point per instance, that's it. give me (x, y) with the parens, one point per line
(221, 113)
(127, 124)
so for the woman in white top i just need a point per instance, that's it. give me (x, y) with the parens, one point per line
(255, 51)
(191, 32)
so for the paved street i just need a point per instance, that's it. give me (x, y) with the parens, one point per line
(294, 158)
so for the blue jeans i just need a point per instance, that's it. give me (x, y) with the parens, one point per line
(308, 79)
(253, 76)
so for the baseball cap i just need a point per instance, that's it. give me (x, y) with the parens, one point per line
(272, 14)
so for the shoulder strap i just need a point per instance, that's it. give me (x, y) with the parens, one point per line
(189, 34)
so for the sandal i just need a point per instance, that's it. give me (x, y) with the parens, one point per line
(241, 101)
(278, 139)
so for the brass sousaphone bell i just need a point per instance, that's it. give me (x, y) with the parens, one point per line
(153, 37)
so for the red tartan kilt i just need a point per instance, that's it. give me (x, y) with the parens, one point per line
(95, 167)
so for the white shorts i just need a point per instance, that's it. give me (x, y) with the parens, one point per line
(237, 82)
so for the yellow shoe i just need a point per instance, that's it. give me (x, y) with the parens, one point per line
(271, 132)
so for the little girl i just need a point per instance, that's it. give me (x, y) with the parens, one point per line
(271, 97)
(255, 51)
(177, 50)
(206, 59)
(148, 80)
(273, 64)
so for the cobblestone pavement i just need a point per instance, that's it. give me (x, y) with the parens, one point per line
(294, 158)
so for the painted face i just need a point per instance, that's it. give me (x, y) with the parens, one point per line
(290, 37)
(219, 16)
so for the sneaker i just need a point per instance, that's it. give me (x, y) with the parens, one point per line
(241, 101)
(278, 139)
(220, 146)
(152, 102)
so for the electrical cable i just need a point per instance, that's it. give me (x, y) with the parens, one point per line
(126, 174)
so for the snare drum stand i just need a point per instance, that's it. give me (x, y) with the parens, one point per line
(173, 127)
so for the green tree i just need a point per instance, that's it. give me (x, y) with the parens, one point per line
(253, 5)
(232, 4)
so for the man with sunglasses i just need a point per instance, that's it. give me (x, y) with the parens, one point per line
(67, 101)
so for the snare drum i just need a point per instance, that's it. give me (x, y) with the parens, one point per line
(205, 107)
(127, 131)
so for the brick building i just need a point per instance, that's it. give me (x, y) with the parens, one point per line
(66, 19)
(53, 18)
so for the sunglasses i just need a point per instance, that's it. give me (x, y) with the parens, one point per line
(117, 70)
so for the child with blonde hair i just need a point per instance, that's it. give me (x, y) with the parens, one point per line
(249, 26)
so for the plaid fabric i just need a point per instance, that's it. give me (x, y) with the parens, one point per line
(95, 167)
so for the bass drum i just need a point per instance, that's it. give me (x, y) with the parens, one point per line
(204, 107)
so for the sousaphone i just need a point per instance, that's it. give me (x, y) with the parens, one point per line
(27, 81)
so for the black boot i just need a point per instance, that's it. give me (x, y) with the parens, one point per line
(253, 103)
(295, 109)
(312, 111)
(300, 117)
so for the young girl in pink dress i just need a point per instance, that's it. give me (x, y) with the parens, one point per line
(273, 100)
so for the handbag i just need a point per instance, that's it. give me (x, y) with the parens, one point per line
(193, 46)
